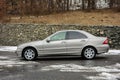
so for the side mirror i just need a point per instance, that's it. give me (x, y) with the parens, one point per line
(48, 40)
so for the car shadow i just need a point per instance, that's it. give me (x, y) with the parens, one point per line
(68, 58)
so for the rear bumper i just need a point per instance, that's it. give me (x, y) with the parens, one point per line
(103, 49)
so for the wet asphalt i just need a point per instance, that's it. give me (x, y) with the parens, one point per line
(31, 70)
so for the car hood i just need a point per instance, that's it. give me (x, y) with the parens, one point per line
(33, 43)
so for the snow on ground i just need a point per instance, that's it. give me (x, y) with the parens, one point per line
(7, 62)
(105, 76)
(14, 62)
(10, 62)
(111, 72)
(3, 57)
(8, 48)
(113, 52)
(100, 4)
(79, 68)
(1, 69)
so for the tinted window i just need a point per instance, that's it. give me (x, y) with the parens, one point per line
(75, 35)
(58, 36)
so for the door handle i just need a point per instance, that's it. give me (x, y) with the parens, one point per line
(63, 42)
(83, 40)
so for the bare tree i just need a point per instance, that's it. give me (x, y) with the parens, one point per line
(111, 3)
(83, 4)
(40, 7)
(67, 5)
(93, 4)
(2, 10)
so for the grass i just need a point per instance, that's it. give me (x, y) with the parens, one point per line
(97, 17)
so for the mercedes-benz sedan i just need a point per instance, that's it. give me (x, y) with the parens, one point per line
(66, 42)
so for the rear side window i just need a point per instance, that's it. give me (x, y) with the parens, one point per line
(75, 35)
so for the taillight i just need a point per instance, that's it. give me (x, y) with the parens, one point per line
(106, 41)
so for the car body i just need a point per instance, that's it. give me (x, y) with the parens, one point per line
(65, 42)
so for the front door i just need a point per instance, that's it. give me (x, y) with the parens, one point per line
(56, 44)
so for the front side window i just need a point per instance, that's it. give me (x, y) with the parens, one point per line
(75, 35)
(58, 36)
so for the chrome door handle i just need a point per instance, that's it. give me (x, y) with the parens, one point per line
(83, 40)
(63, 42)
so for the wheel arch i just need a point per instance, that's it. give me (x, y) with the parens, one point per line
(89, 46)
(29, 47)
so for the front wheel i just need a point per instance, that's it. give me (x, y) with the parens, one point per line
(89, 53)
(29, 54)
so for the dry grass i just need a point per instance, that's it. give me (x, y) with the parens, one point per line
(103, 17)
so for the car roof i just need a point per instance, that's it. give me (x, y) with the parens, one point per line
(71, 30)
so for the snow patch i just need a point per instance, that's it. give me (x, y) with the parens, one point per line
(79, 68)
(106, 69)
(105, 76)
(102, 4)
(3, 57)
(8, 48)
(12, 63)
(117, 65)
(111, 72)
(1, 69)
(64, 68)
(113, 52)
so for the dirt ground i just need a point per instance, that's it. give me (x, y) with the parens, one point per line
(98, 17)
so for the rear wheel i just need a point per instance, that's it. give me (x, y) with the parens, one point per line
(89, 53)
(29, 54)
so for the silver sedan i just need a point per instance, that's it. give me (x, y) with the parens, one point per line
(65, 42)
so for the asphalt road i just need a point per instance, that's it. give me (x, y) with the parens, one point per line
(103, 67)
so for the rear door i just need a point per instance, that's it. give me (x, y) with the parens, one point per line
(75, 41)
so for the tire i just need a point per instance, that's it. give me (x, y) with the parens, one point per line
(89, 53)
(29, 54)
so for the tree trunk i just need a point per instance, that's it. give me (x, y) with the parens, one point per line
(93, 4)
(2, 10)
(111, 4)
(89, 4)
(83, 5)
(67, 5)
